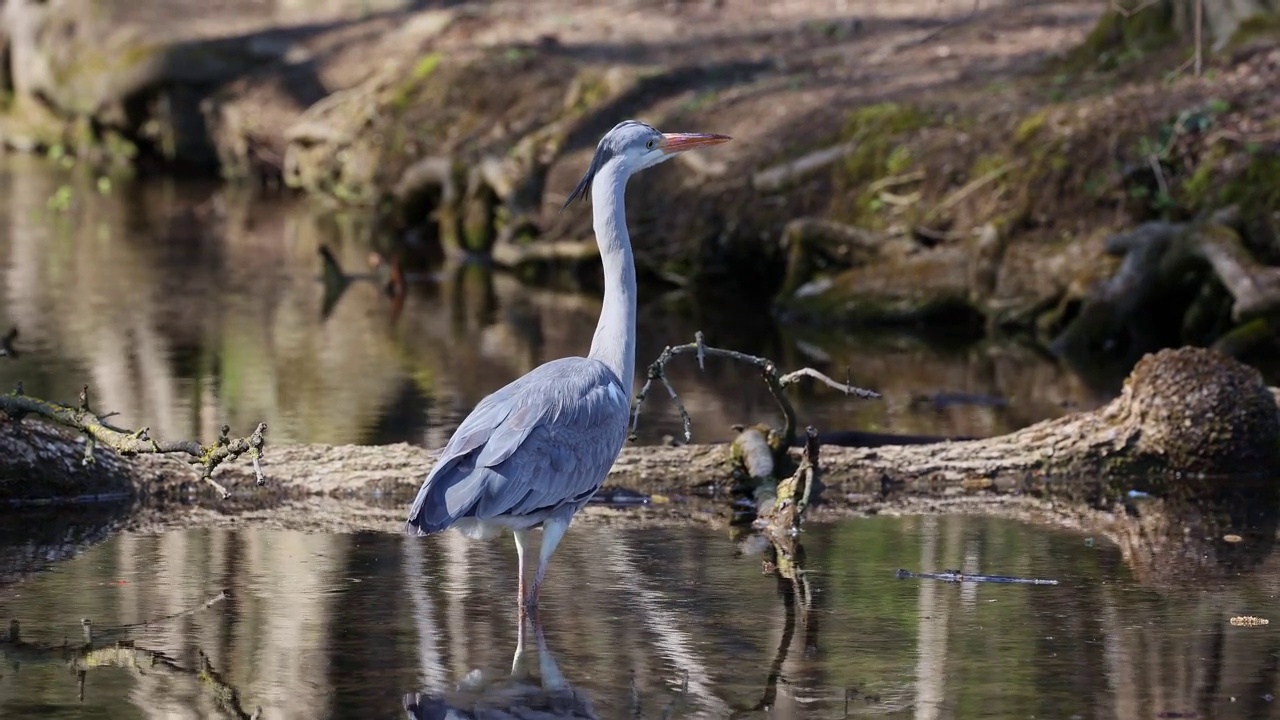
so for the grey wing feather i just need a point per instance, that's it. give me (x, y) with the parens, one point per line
(544, 441)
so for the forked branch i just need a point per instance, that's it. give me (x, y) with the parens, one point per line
(776, 381)
(205, 458)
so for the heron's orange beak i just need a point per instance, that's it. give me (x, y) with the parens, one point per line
(673, 143)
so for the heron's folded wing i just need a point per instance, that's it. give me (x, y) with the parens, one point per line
(545, 440)
(559, 462)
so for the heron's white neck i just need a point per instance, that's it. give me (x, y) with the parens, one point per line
(614, 343)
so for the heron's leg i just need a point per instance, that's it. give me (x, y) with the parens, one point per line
(552, 531)
(522, 543)
(520, 660)
(552, 678)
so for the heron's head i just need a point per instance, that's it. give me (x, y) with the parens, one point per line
(634, 146)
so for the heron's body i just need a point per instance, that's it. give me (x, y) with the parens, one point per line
(537, 449)
(533, 453)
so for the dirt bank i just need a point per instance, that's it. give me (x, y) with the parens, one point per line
(912, 162)
(488, 111)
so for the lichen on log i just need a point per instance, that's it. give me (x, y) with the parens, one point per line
(95, 429)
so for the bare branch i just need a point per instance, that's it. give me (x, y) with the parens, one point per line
(792, 377)
(808, 471)
(776, 382)
(17, 405)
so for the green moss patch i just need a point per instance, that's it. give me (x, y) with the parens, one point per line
(878, 133)
(1123, 39)
(1259, 29)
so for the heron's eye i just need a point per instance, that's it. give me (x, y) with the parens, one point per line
(649, 145)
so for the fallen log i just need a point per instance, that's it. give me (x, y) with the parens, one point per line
(1183, 415)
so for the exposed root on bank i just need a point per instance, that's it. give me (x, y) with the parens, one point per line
(1162, 260)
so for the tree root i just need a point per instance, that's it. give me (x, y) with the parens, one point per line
(813, 244)
(1163, 263)
(1254, 287)
(780, 176)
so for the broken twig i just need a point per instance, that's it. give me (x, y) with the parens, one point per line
(781, 518)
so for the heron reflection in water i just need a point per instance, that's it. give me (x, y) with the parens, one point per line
(514, 696)
(531, 454)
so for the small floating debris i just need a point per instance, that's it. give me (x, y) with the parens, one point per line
(1231, 538)
(1248, 621)
(955, 576)
(620, 497)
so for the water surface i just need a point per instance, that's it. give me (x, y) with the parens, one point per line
(187, 305)
(332, 626)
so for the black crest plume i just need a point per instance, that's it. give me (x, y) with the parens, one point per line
(604, 151)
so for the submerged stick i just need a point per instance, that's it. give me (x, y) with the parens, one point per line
(224, 595)
(955, 576)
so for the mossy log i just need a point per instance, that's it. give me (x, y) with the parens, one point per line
(1188, 411)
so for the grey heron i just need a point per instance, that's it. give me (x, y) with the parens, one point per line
(532, 453)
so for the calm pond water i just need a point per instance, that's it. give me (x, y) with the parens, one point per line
(340, 626)
(186, 305)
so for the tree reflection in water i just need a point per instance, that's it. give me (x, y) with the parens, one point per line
(662, 620)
